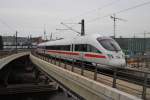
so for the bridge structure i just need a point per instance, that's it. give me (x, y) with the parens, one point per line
(10, 57)
(83, 87)
(19, 61)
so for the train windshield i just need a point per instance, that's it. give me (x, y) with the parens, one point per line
(109, 44)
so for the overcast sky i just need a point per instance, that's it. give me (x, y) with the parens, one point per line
(30, 16)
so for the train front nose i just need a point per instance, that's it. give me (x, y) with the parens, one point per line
(117, 62)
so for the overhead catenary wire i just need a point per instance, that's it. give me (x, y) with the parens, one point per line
(88, 12)
(133, 7)
(8, 26)
(91, 11)
(118, 12)
(107, 15)
(70, 28)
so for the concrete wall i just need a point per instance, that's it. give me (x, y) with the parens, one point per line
(87, 88)
(10, 58)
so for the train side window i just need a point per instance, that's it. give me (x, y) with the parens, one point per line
(51, 47)
(84, 47)
(64, 47)
(81, 47)
(59, 47)
(77, 47)
(67, 47)
(91, 48)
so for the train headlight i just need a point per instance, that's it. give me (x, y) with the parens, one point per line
(110, 56)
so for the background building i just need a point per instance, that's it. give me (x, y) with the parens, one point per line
(1, 43)
(132, 46)
(9, 42)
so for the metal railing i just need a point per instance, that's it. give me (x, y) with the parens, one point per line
(137, 77)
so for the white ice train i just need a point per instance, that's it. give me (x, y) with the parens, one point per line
(89, 48)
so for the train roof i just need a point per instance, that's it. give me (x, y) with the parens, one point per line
(68, 41)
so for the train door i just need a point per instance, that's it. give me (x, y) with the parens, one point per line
(74, 51)
(81, 50)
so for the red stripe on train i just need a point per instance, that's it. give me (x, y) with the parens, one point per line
(62, 52)
(94, 56)
(76, 53)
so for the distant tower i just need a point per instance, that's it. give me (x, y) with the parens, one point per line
(51, 36)
(45, 38)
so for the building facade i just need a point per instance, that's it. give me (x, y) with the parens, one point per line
(134, 46)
